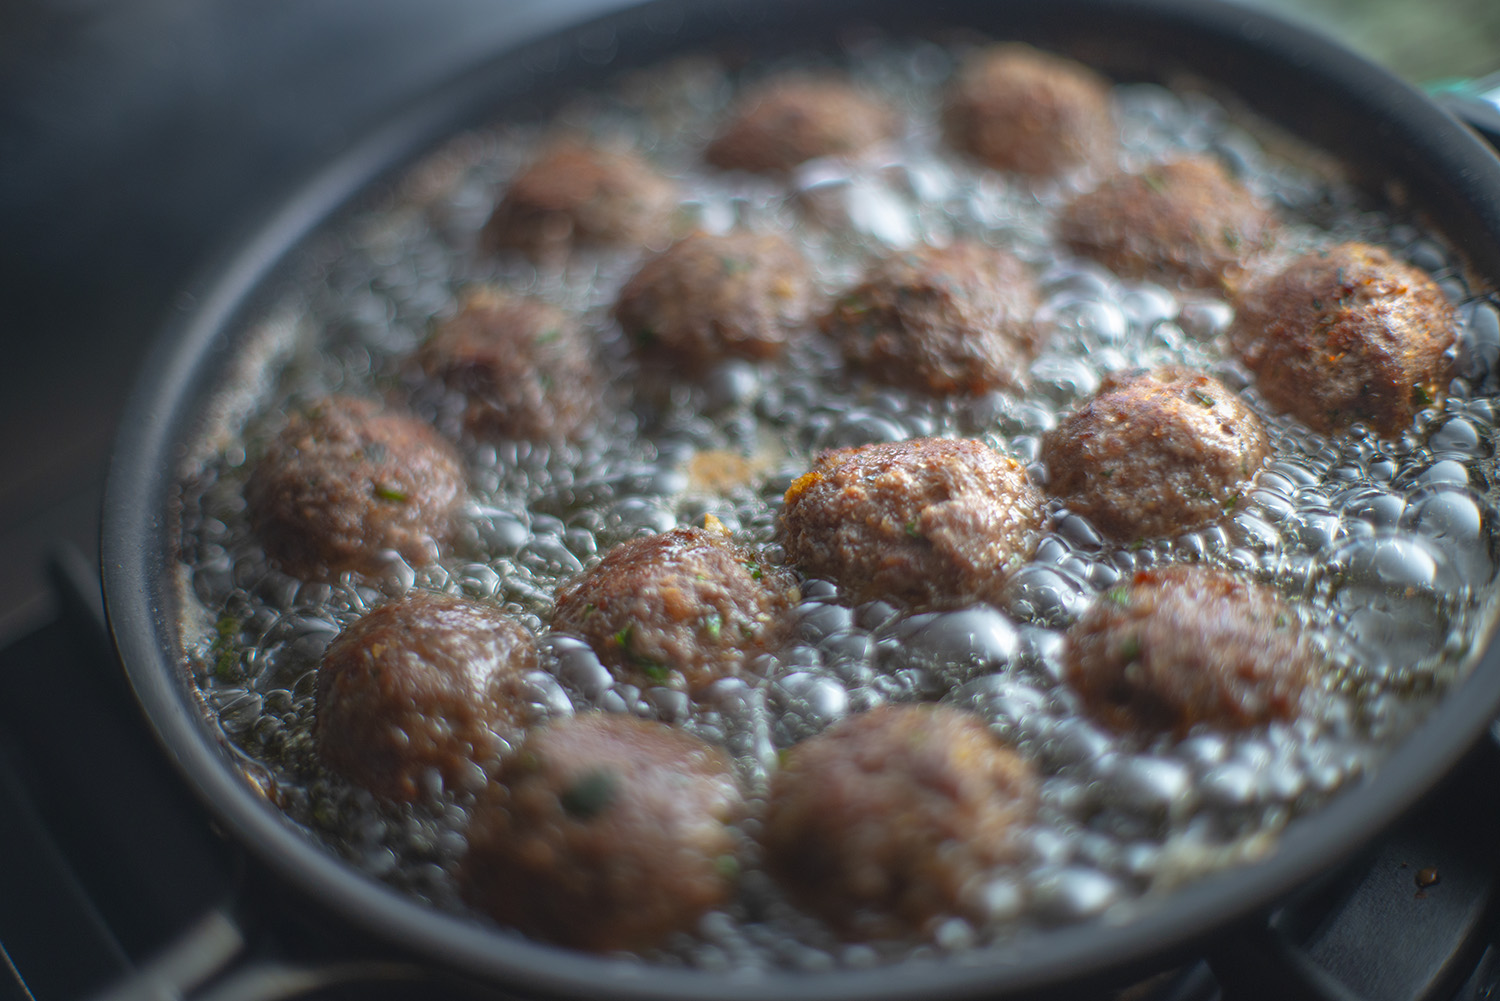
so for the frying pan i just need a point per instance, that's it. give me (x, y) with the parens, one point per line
(1393, 140)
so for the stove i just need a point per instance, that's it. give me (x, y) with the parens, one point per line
(133, 137)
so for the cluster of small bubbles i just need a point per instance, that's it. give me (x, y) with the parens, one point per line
(1015, 709)
(1394, 592)
(1149, 786)
(1479, 345)
(1047, 595)
(1386, 546)
(544, 697)
(1155, 121)
(291, 645)
(946, 649)
(806, 703)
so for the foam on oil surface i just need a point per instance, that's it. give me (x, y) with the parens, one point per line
(1386, 547)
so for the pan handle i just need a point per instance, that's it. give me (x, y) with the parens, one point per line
(1407, 922)
(210, 961)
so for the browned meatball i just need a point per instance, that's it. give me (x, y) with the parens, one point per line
(786, 121)
(1186, 222)
(420, 683)
(709, 297)
(520, 366)
(604, 832)
(579, 195)
(684, 607)
(941, 320)
(1188, 645)
(1014, 108)
(926, 522)
(1346, 334)
(1155, 453)
(345, 482)
(891, 819)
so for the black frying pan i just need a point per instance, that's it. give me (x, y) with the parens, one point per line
(1392, 138)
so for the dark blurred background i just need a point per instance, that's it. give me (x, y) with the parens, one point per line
(138, 135)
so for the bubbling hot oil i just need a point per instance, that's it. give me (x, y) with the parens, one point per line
(1385, 547)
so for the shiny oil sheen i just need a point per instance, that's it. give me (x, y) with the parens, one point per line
(1385, 547)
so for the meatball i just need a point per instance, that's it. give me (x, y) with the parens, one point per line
(928, 522)
(578, 195)
(710, 297)
(1182, 223)
(1014, 108)
(519, 368)
(892, 819)
(784, 122)
(1188, 645)
(1346, 334)
(345, 484)
(1155, 453)
(420, 684)
(604, 832)
(941, 320)
(682, 608)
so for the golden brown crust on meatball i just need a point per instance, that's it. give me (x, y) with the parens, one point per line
(1346, 334)
(1181, 223)
(929, 522)
(521, 366)
(789, 120)
(1015, 108)
(345, 482)
(891, 820)
(575, 194)
(682, 608)
(941, 320)
(710, 297)
(419, 683)
(1188, 645)
(1155, 453)
(604, 832)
